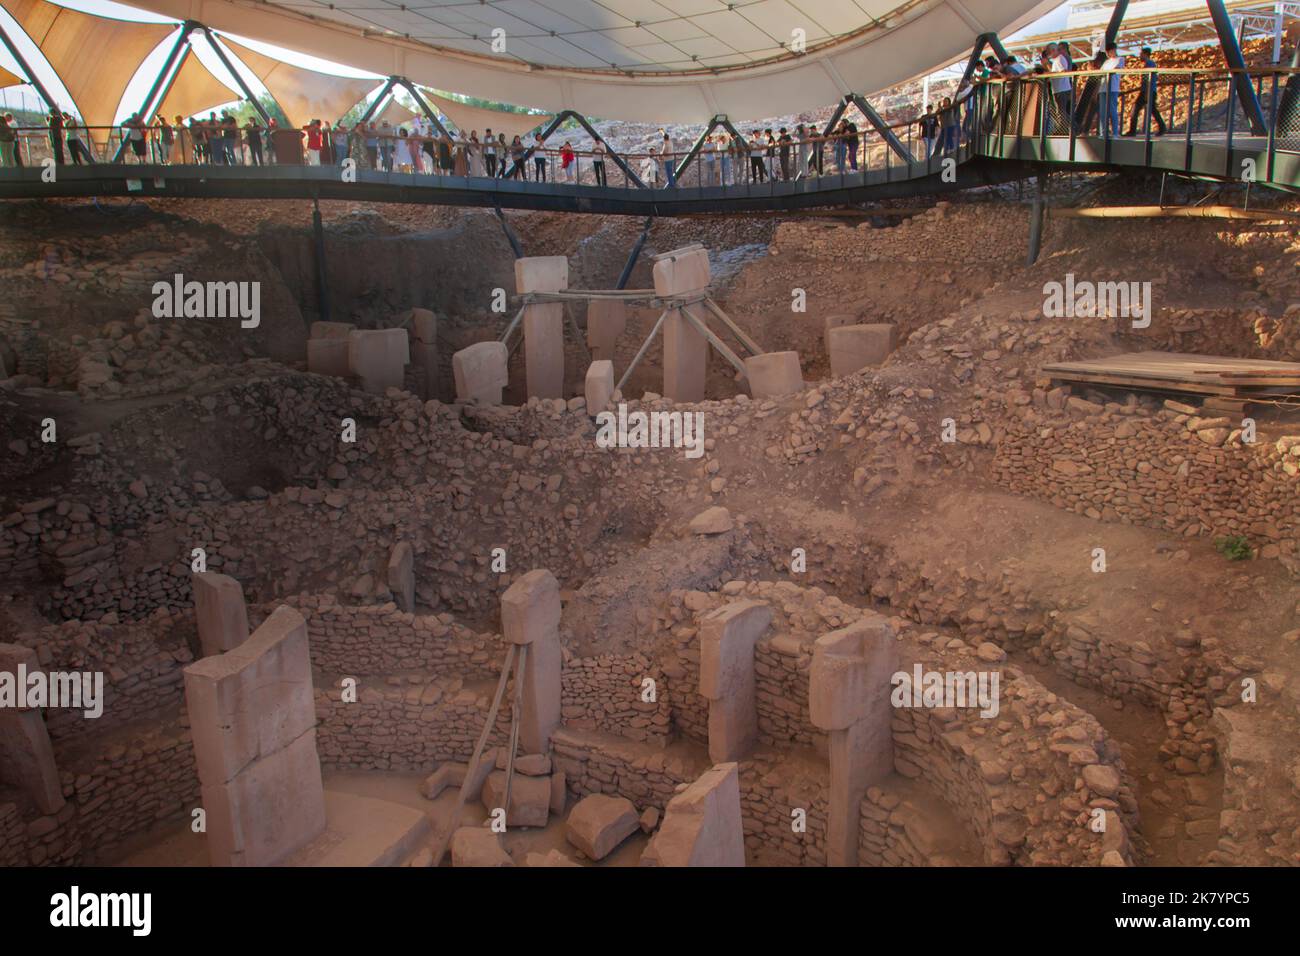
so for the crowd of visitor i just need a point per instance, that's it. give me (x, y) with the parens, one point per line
(1080, 97)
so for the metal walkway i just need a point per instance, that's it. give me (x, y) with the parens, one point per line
(1230, 126)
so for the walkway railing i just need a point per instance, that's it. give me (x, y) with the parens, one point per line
(1077, 118)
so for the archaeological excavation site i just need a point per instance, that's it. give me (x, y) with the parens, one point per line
(895, 494)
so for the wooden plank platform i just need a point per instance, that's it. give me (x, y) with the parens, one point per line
(1223, 376)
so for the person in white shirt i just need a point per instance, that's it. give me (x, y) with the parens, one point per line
(710, 151)
(1110, 124)
(650, 169)
(1062, 86)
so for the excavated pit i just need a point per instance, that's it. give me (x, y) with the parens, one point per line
(1121, 696)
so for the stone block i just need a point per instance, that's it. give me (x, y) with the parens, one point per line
(541, 274)
(599, 386)
(599, 823)
(219, 612)
(773, 374)
(530, 798)
(328, 356)
(478, 846)
(682, 272)
(378, 358)
(852, 348)
(480, 372)
(331, 330)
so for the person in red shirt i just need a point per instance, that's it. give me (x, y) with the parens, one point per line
(314, 143)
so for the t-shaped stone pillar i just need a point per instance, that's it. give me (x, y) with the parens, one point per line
(702, 824)
(219, 612)
(848, 697)
(480, 372)
(543, 324)
(26, 756)
(606, 320)
(683, 273)
(727, 639)
(530, 614)
(253, 719)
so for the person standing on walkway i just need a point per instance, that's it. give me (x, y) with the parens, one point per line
(253, 137)
(55, 123)
(1147, 97)
(78, 149)
(669, 159)
(598, 162)
(8, 143)
(1110, 118)
(539, 159)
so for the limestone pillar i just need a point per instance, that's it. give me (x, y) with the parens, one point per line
(606, 320)
(480, 372)
(543, 324)
(327, 348)
(401, 575)
(727, 639)
(702, 824)
(683, 274)
(530, 615)
(852, 348)
(424, 350)
(686, 359)
(253, 720)
(599, 386)
(848, 697)
(219, 612)
(378, 358)
(26, 755)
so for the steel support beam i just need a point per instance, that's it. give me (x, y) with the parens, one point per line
(635, 254)
(243, 87)
(378, 101)
(37, 85)
(513, 239)
(618, 160)
(880, 126)
(419, 101)
(179, 50)
(1237, 63)
(1116, 20)
(695, 150)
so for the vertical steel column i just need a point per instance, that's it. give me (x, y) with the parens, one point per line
(322, 280)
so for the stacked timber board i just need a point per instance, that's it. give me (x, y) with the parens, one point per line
(1236, 379)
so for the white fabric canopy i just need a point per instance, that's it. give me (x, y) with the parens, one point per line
(95, 57)
(195, 90)
(868, 45)
(304, 94)
(469, 119)
(395, 114)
